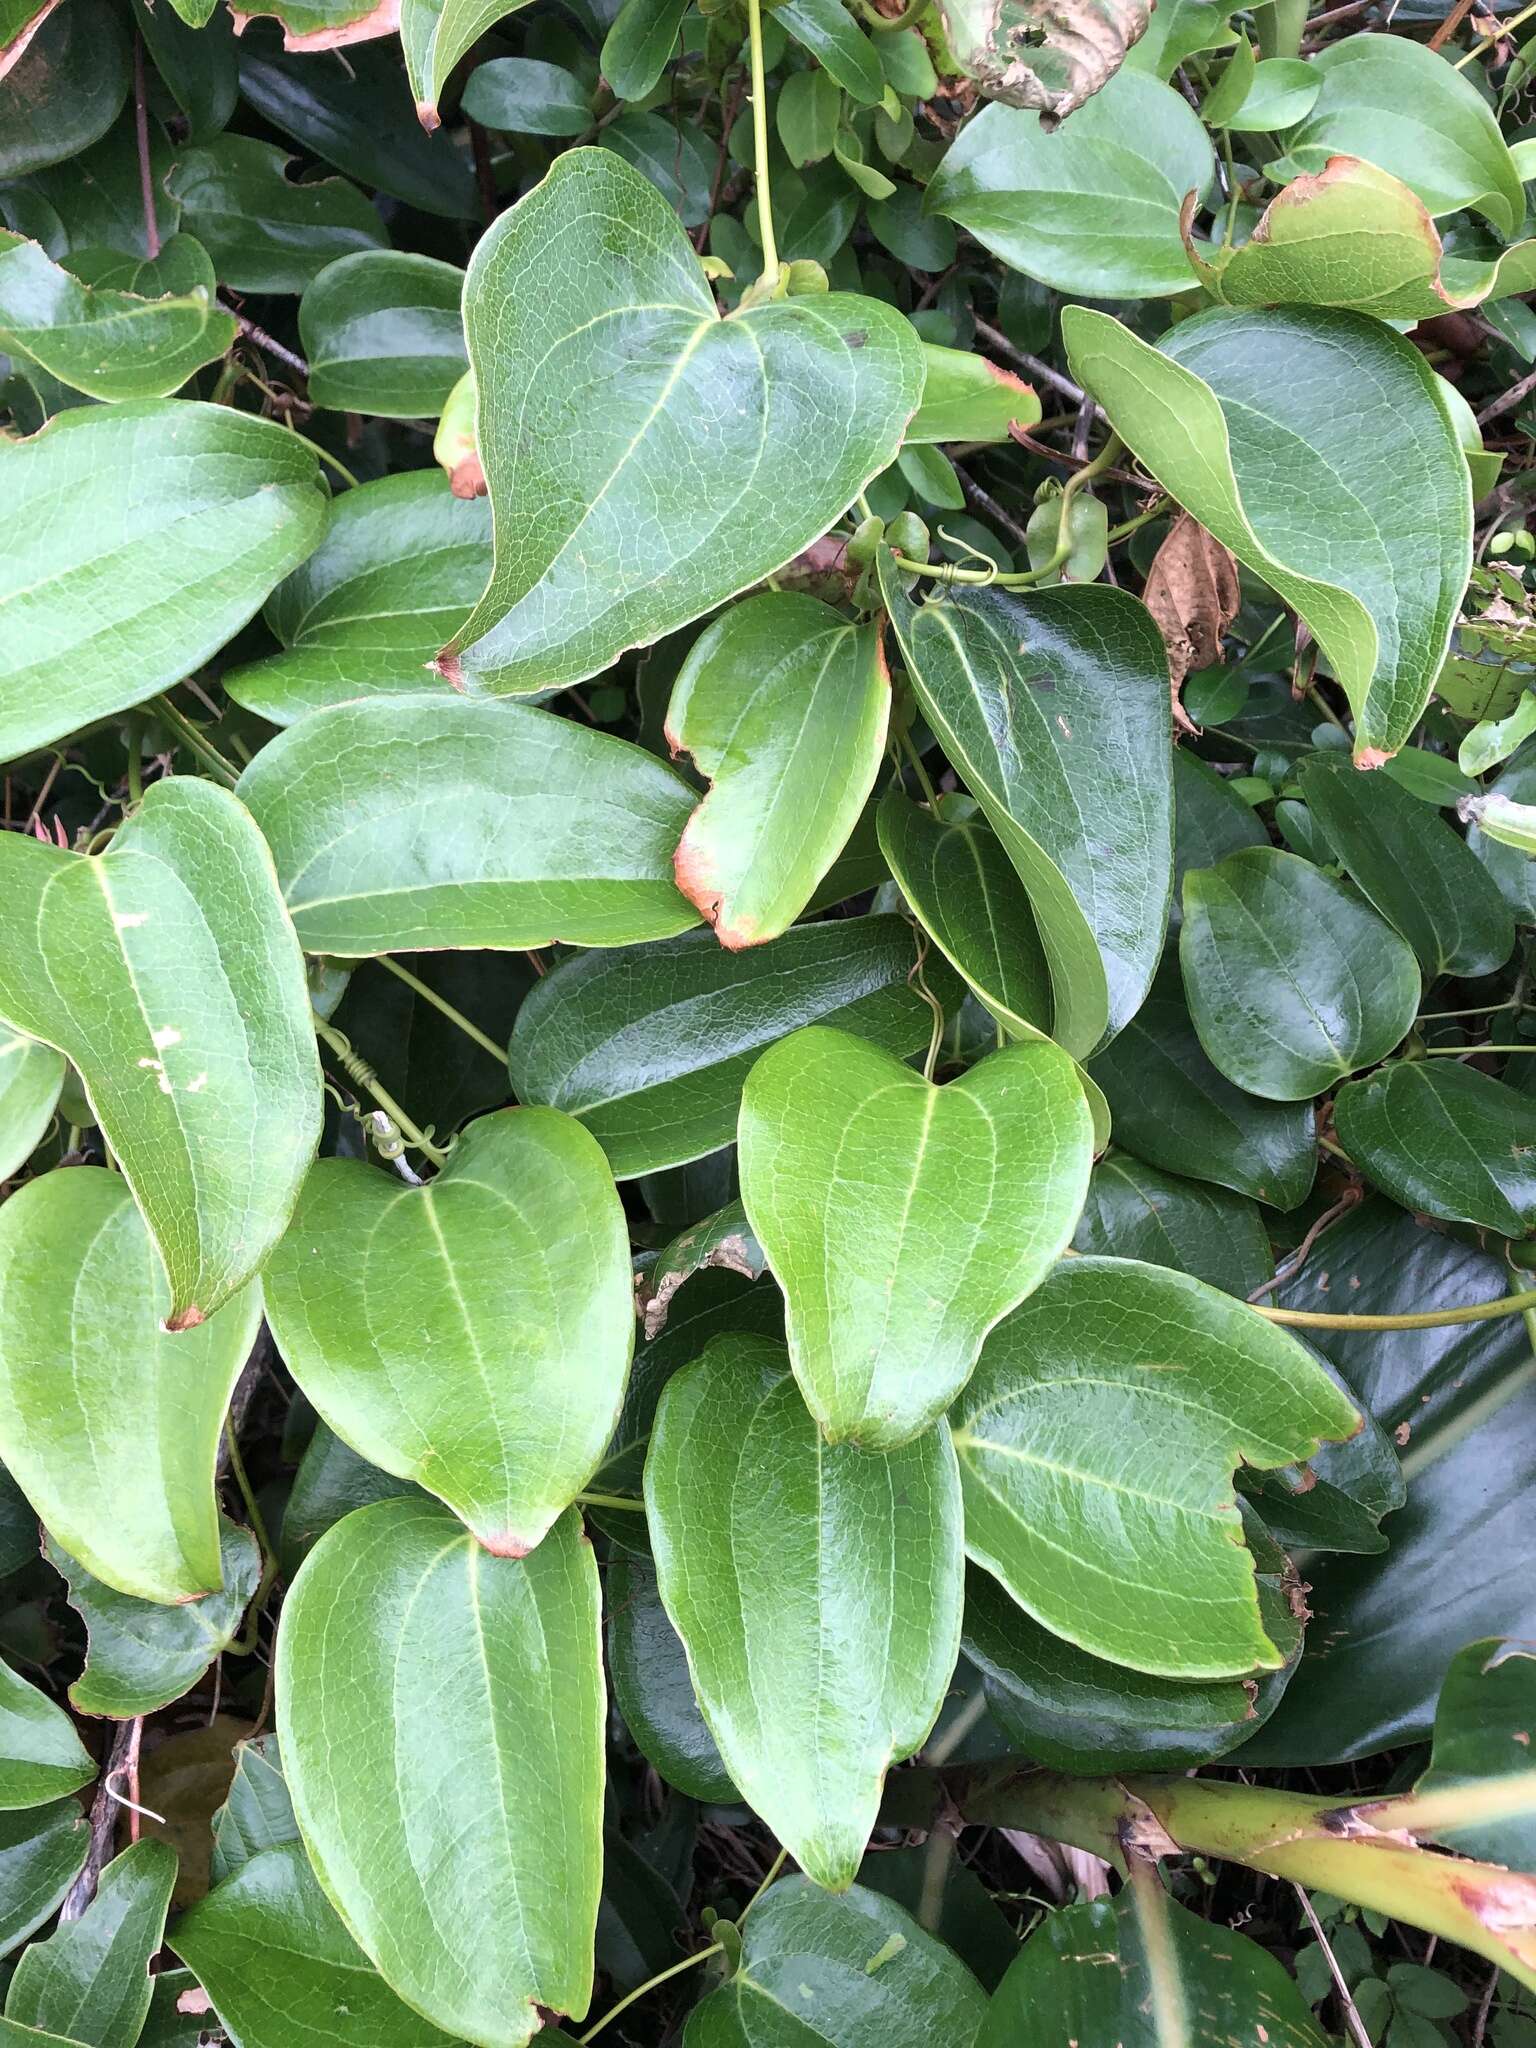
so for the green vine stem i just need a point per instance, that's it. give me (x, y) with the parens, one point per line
(195, 743)
(662, 1976)
(358, 1070)
(1022, 579)
(1422, 1319)
(455, 1017)
(770, 277)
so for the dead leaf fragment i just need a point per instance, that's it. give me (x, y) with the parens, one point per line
(1046, 55)
(382, 19)
(1192, 592)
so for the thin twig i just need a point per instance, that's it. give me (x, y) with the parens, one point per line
(1036, 365)
(104, 1812)
(264, 341)
(485, 171)
(146, 169)
(1484, 2007)
(1451, 23)
(1351, 2011)
(1512, 397)
(1298, 1258)
(989, 508)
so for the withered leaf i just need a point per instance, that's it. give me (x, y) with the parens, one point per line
(1046, 55)
(1192, 592)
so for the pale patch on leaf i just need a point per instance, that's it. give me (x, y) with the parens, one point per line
(1045, 55)
(13, 51)
(382, 19)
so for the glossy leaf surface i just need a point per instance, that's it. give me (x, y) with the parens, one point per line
(904, 1220)
(652, 1689)
(264, 231)
(1444, 1139)
(746, 1505)
(1482, 1752)
(89, 1982)
(1135, 1211)
(431, 1694)
(31, 1076)
(42, 1850)
(41, 1757)
(383, 334)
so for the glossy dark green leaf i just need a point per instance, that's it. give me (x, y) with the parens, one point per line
(1481, 1759)
(265, 232)
(258, 1814)
(196, 63)
(494, 1376)
(1054, 707)
(97, 196)
(358, 112)
(399, 565)
(1210, 820)
(1340, 1498)
(142, 1654)
(523, 96)
(1171, 1107)
(839, 45)
(1091, 207)
(1444, 1139)
(1411, 865)
(754, 433)
(528, 829)
(89, 1982)
(1135, 1211)
(178, 2011)
(331, 1481)
(640, 43)
(791, 756)
(430, 1692)
(904, 1220)
(42, 1851)
(675, 160)
(650, 1046)
(90, 1381)
(747, 1508)
(167, 972)
(951, 867)
(434, 35)
(383, 334)
(1146, 1972)
(1097, 1441)
(853, 1972)
(65, 88)
(1293, 981)
(41, 1757)
(179, 520)
(283, 1972)
(31, 1076)
(1369, 538)
(110, 344)
(648, 1667)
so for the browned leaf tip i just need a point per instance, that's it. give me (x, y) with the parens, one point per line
(16, 48)
(449, 667)
(189, 1318)
(1192, 593)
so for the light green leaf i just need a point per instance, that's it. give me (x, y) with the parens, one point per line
(141, 539)
(1445, 1140)
(441, 1715)
(839, 45)
(1145, 1972)
(42, 1852)
(902, 1220)
(258, 1814)
(783, 704)
(283, 1972)
(166, 970)
(639, 46)
(1493, 740)
(90, 1981)
(522, 96)
(968, 398)
(1369, 537)
(1054, 707)
(383, 334)
(410, 823)
(41, 1756)
(717, 449)
(1480, 1771)
(1412, 867)
(1230, 88)
(650, 1046)
(1282, 90)
(1134, 1211)
(1091, 208)
(91, 1383)
(1097, 1440)
(472, 1335)
(434, 35)
(264, 232)
(401, 563)
(648, 1668)
(796, 1570)
(1179, 29)
(1294, 983)
(1409, 111)
(140, 1654)
(31, 1076)
(807, 113)
(111, 344)
(858, 1964)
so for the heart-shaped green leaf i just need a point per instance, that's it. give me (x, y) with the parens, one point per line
(1055, 709)
(41, 1756)
(1092, 206)
(166, 969)
(966, 397)
(647, 459)
(142, 538)
(472, 1335)
(903, 1220)
(859, 1964)
(400, 565)
(111, 344)
(89, 1983)
(1294, 983)
(282, 1971)
(650, 1046)
(441, 1716)
(1097, 1439)
(795, 1570)
(783, 704)
(31, 1076)
(141, 1655)
(383, 334)
(1369, 537)
(1445, 1140)
(91, 1381)
(411, 823)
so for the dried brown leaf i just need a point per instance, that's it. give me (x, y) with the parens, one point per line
(1192, 592)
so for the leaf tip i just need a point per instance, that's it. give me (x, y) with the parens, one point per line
(1371, 757)
(186, 1319)
(449, 667)
(428, 116)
